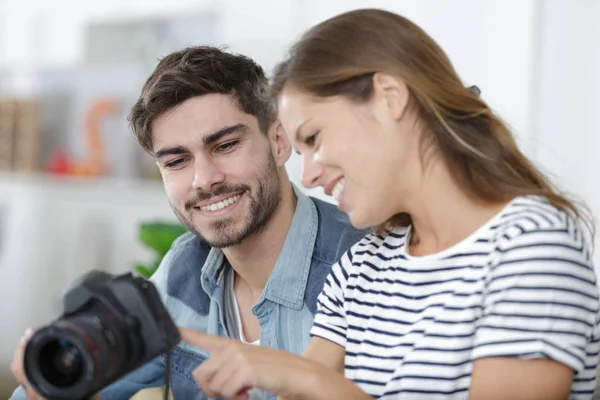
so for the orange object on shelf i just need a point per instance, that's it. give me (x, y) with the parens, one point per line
(95, 162)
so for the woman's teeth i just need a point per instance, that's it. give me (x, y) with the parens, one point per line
(338, 189)
(221, 204)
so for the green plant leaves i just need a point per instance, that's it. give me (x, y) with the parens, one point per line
(159, 237)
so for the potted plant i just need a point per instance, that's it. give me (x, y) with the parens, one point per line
(158, 236)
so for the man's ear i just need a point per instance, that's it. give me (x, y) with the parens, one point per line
(280, 144)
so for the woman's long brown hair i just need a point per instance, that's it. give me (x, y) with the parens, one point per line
(339, 57)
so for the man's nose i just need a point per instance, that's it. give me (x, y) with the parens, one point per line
(206, 175)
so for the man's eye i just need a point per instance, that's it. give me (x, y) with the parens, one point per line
(174, 163)
(227, 146)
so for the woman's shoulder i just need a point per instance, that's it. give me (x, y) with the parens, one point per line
(538, 217)
(533, 229)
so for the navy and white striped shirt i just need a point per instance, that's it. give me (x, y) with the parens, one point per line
(522, 285)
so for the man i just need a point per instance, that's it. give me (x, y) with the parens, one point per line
(258, 250)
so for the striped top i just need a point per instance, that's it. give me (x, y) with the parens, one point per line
(522, 286)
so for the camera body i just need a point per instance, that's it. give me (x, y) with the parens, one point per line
(110, 326)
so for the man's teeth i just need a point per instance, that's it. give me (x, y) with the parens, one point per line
(221, 204)
(338, 189)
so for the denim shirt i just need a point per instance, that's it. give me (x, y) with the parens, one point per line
(190, 280)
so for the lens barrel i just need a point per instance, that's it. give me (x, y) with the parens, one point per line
(64, 360)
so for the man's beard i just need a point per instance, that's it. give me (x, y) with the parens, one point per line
(262, 206)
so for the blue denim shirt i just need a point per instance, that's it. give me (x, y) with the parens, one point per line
(190, 280)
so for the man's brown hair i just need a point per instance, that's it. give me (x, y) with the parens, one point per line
(198, 71)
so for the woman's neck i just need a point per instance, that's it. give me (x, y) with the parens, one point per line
(443, 214)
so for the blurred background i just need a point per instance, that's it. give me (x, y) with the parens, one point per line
(77, 192)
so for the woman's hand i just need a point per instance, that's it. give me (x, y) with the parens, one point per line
(234, 368)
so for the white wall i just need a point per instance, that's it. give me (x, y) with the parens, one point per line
(50, 33)
(568, 100)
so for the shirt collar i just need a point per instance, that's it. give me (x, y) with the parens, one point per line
(287, 282)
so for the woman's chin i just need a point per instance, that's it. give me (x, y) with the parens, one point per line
(359, 221)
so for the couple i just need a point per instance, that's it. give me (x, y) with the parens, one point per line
(474, 279)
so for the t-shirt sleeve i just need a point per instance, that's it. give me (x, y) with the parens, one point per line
(330, 320)
(540, 299)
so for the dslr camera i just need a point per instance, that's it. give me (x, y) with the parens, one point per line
(110, 326)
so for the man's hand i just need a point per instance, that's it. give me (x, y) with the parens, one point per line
(17, 369)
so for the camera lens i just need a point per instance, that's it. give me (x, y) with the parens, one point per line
(74, 355)
(61, 363)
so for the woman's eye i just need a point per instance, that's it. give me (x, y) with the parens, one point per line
(310, 141)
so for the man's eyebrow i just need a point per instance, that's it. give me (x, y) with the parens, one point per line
(206, 140)
(228, 130)
(168, 151)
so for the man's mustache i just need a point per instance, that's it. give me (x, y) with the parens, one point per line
(223, 190)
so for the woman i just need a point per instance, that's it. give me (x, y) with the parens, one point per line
(478, 282)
